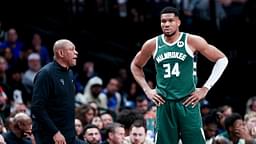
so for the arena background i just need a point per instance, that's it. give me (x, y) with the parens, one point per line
(111, 41)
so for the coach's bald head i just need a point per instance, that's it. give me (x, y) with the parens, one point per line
(65, 53)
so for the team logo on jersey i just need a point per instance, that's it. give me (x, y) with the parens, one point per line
(180, 44)
(161, 46)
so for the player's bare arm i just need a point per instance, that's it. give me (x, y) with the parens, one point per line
(198, 44)
(139, 61)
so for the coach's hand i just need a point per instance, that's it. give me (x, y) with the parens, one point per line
(59, 138)
(196, 96)
(152, 95)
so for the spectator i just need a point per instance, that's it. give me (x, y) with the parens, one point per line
(91, 134)
(85, 113)
(97, 121)
(39, 48)
(18, 91)
(34, 66)
(115, 134)
(87, 72)
(2, 126)
(138, 134)
(127, 118)
(92, 92)
(210, 128)
(250, 122)
(79, 127)
(21, 132)
(142, 104)
(251, 105)
(112, 95)
(13, 43)
(107, 119)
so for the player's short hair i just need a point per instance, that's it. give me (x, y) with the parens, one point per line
(170, 9)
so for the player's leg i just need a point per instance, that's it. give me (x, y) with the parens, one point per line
(166, 130)
(190, 124)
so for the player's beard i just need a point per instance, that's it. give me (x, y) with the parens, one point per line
(170, 34)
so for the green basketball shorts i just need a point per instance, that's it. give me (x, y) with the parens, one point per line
(175, 121)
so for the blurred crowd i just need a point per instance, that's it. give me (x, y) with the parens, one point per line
(113, 111)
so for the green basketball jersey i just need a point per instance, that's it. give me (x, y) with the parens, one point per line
(175, 68)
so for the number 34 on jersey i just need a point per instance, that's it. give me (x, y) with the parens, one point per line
(171, 71)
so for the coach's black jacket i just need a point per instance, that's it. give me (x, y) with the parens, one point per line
(53, 104)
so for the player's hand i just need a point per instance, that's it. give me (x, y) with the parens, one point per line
(152, 95)
(196, 96)
(59, 138)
